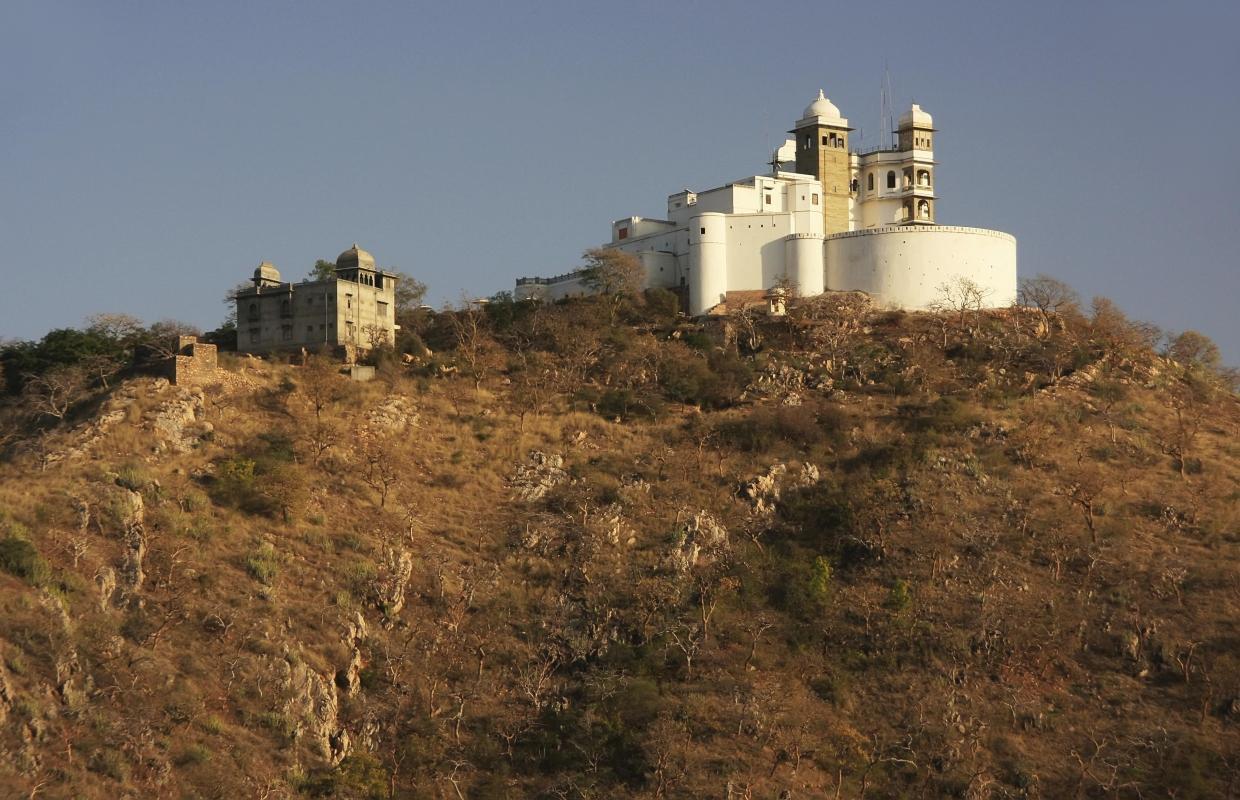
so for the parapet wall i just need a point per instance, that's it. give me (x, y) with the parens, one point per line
(905, 266)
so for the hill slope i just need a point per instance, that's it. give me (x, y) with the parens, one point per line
(846, 554)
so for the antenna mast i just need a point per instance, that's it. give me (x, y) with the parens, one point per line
(887, 112)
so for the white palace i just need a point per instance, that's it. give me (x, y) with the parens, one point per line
(844, 220)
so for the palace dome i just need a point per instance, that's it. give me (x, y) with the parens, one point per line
(915, 116)
(355, 257)
(822, 107)
(267, 271)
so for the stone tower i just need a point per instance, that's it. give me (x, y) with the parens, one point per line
(822, 151)
(916, 141)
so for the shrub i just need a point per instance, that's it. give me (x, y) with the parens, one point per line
(263, 564)
(764, 427)
(820, 579)
(193, 755)
(899, 598)
(627, 404)
(661, 303)
(19, 557)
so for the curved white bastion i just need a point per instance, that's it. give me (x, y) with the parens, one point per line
(905, 266)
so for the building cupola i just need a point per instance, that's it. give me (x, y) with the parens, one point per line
(823, 112)
(266, 275)
(355, 258)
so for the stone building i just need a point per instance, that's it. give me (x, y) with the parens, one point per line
(192, 362)
(844, 219)
(353, 310)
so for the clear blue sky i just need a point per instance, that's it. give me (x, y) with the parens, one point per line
(151, 154)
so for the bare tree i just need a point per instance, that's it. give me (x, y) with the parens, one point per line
(961, 296)
(54, 392)
(1048, 295)
(474, 345)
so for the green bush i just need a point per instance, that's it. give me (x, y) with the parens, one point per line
(820, 579)
(627, 404)
(21, 558)
(263, 564)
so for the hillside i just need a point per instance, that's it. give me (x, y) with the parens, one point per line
(842, 554)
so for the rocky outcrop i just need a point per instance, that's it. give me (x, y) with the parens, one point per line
(349, 679)
(6, 694)
(131, 514)
(762, 492)
(538, 476)
(179, 422)
(312, 708)
(392, 582)
(701, 540)
(395, 414)
(105, 579)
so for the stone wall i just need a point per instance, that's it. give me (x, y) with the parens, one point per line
(195, 362)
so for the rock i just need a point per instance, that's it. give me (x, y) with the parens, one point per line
(105, 579)
(6, 694)
(72, 684)
(703, 538)
(349, 679)
(390, 586)
(394, 415)
(534, 479)
(178, 421)
(762, 492)
(131, 513)
(808, 476)
(313, 708)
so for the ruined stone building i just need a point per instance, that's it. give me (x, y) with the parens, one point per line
(354, 310)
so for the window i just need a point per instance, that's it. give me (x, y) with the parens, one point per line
(285, 310)
(891, 179)
(703, 231)
(309, 332)
(624, 233)
(809, 142)
(286, 332)
(815, 198)
(870, 182)
(383, 310)
(768, 199)
(825, 140)
(253, 336)
(253, 310)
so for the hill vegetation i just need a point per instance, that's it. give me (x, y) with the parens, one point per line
(595, 550)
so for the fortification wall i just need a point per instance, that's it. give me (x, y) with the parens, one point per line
(904, 266)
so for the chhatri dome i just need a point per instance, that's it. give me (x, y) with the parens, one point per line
(355, 257)
(822, 107)
(915, 116)
(267, 273)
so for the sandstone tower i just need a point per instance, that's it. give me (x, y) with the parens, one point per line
(822, 151)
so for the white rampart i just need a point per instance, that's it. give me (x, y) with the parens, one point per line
(905, 266)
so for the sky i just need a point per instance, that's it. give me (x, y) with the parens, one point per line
(152, 154)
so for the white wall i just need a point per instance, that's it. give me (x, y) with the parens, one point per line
(904, 266)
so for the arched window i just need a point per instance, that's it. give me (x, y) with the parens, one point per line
(870, 182)
(891, 179)
(923, 210)
(253, 310)
(923, 178)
